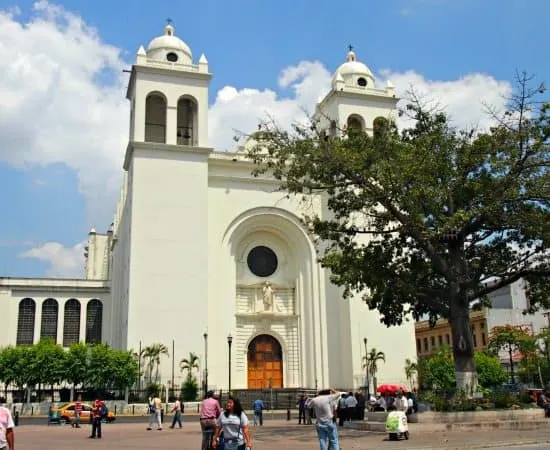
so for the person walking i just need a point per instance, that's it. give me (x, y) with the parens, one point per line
(7, 436)
(341, 410)
(96, 415)
(177, 410)
(77, 412)
(302, 410)
(209, 412)
(258, 412)
(233, 423)
(155, 416)
(324, 405)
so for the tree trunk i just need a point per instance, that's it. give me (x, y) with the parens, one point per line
(463, 347)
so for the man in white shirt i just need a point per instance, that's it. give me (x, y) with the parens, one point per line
(7, 437)
(324, 405)
(351, 407)
(400, 403)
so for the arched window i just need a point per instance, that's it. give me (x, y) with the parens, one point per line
(25, 322)
(94, 321)
(155, 118)
(355, 123)
(333, 128)
(187, 121)
(71, 323)
(380, 127)
(48, 323)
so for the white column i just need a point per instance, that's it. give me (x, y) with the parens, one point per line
(171, 123)
(37, 320)
(83, 307)
(60, 320)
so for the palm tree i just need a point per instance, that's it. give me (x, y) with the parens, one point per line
(411, 369)
(140, 359)
(190, 364)
(371, 360)
(153, 353)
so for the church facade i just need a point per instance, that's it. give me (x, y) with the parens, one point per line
(205, 258)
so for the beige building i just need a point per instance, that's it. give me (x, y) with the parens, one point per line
(508, 304)
(429, 339)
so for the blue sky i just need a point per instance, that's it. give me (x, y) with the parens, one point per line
(52, 194)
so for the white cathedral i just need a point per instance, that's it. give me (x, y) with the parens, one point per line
(200, 250)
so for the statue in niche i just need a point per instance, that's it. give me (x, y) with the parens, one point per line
(267, 296)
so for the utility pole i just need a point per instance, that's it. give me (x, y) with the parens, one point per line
(367, 369)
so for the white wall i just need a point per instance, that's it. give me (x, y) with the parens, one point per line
(168, 284)
(98, 258)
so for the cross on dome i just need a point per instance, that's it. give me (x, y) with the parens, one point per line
(169, 29)
(351, 54)
(169, 47)
(353, 72)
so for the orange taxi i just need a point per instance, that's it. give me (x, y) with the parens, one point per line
(66, 413)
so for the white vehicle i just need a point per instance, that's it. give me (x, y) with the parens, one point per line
(397, 425)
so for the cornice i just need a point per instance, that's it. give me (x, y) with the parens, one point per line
(154, 146)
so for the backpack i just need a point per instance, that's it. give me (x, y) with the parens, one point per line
(103, 411)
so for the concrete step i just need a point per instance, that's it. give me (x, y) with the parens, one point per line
(524, 425)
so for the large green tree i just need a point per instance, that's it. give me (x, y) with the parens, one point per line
(426, 220)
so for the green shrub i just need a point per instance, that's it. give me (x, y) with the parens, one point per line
(153, 390)
(504, 399)
(190, 389)
(524, 397)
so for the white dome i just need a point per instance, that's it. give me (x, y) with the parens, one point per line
(352, 71)
(168, 43)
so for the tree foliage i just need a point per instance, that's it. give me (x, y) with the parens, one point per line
(153, 354)
(489, 370)
(46, 363)
(429, 219)
(190, 364)
(190, 389)
(436, 372)
(513, 339)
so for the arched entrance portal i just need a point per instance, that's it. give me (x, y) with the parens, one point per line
(265, 363)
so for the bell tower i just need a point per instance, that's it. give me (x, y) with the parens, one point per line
(169, 93)
(166, 206)
(354, 100)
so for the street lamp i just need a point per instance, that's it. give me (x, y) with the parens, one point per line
(367, 368)
(229, 342)
(205, 336)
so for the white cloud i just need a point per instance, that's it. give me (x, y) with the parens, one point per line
(465, 99)
(63, 261)
(241, 110)
(62, 100)
(53, 108)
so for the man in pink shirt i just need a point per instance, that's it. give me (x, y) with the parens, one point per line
(209, 412)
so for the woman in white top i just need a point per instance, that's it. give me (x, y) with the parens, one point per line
(234, 425)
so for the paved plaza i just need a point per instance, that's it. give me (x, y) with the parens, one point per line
(273, 436)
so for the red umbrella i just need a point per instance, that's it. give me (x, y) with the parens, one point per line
(385, 389)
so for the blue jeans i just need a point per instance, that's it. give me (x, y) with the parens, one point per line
(327, 431)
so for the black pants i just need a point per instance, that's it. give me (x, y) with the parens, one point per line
(96, 427)
(342, 416)
(301, 415)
